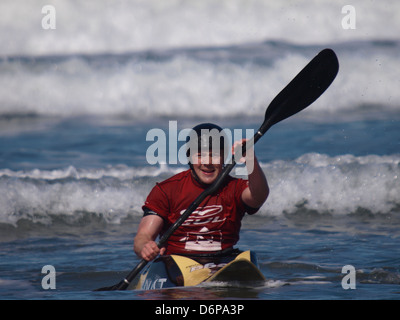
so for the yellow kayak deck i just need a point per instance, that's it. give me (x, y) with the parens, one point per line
(175, 271)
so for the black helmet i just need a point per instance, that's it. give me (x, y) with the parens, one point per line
(206, 136)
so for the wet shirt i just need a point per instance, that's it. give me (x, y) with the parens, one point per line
(213, 226)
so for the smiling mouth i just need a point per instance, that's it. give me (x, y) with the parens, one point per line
(208, 171)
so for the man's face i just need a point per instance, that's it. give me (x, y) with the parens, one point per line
(207, 165)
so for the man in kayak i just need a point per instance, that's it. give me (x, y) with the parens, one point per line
(213, 228)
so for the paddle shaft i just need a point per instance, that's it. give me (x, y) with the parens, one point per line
(303, 90)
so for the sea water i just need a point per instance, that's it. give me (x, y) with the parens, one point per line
(77, 102)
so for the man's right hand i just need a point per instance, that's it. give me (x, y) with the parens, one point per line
(150, 251)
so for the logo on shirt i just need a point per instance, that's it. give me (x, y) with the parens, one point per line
(205, 215)
(202, 238)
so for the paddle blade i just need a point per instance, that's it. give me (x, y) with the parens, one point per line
(122, 285)
(304, 89)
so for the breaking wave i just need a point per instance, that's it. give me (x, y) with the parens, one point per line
(336, 186)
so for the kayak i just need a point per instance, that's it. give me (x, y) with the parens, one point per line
(176, 271)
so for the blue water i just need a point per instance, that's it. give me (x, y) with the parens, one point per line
(75, 113)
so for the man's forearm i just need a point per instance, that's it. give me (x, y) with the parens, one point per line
(139, 242)
(258, 184)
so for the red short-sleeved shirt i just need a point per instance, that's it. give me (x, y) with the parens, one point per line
(213, 226)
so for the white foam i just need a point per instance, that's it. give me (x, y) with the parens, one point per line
(120, 172)
(334, 185)
(183, 85)
(112, 193)
(337, 186)
(189, 87)
(124, 25)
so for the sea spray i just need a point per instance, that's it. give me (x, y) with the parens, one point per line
(339, 185)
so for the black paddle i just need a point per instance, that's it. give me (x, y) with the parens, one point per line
(303, 90)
